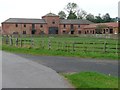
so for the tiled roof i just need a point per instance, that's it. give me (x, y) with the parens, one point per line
(64, 21)
(24, 20)
(111, 24)
(78, 21)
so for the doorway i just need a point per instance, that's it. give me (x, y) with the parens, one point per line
(53, 30)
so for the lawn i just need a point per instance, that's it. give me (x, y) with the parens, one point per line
(67, 46)
(91, 80)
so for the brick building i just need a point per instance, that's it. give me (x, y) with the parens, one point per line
(101, 28)
(52, 24)
(49, 24)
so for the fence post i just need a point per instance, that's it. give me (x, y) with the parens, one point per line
(49, 44)
(32, 43)
(2, 39)
(116, 47)
(73, 46)
(58, 45)
(7, 39)
(105, 46)
(21, 43)
(85, 48)
(93, 46)
(16, 42)
(42, 44)
(65, 45)
(11, 41)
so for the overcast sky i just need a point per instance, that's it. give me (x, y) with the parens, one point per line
(38, 8)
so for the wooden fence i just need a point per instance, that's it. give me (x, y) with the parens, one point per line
(102, 47)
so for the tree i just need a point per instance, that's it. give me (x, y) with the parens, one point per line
(107, 18)
(98, 19)
(62, 15)
(72, 15)
(81, 14)
(99, 28)
(90, 17)
(71, 7)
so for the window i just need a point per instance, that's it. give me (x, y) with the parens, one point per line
(78, 26)
(16, 25)
(24, 32)
(72, 26)
(87, 31)
(41, 26)
(64, 32)
(53, 22)
(33, 26)
(24, 25)
(64, 26)
(106, 30)
(111, 31)
(79, 32)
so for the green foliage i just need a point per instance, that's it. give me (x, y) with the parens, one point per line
(62, 15)
(90, 17)
(107, 18)
(92, 80)
(98, 19)
(74, 12)
(72, 15)
(99, 28)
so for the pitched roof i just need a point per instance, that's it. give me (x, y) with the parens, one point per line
(51, 14)
(24, 20)
(39, 21)
(77, 21)
(111, 24)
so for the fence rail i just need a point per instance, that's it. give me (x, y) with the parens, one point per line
(103, 47)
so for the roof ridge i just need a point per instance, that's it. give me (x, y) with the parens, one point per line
(25, 18)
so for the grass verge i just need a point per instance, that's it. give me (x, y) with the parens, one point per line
(91, 80)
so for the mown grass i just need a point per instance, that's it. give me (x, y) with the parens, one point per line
(64, 51)
(91, 80)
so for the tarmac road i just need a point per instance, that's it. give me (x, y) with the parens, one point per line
(71, 64)
(19, 72)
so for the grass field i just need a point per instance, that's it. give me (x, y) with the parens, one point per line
(91, 80)
(63, 46)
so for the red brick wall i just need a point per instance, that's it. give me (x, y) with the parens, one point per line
(68, 27)
(50, 19)
(10, 28)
